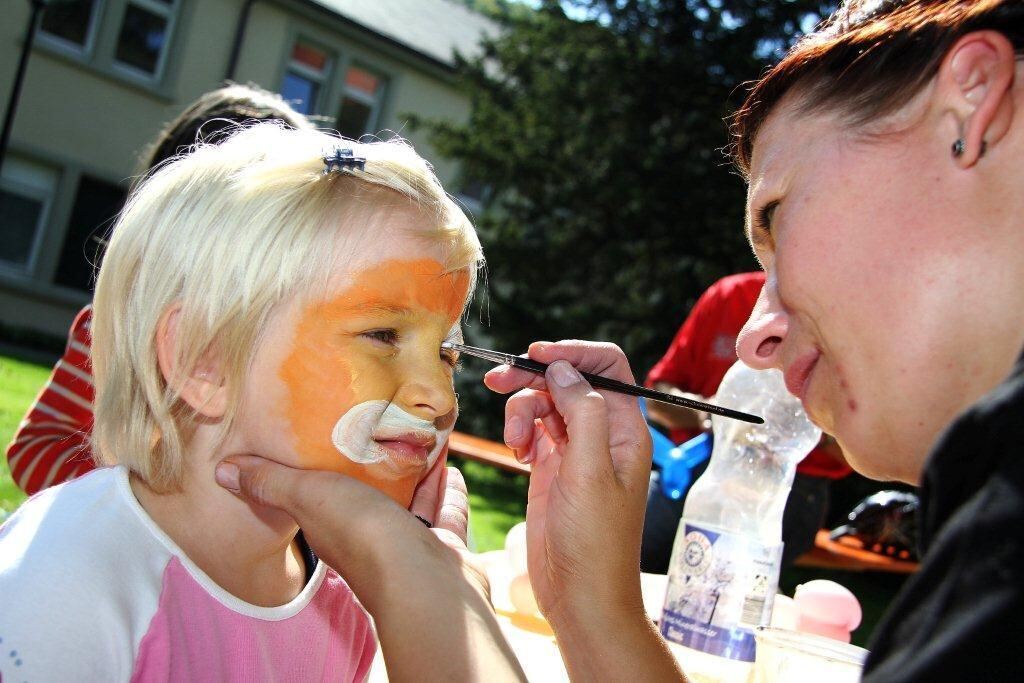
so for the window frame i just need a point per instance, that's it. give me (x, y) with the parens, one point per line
(332, 88)
(376, 101)
(85, 51)
(322, 78)
(100, 58)
(168, 12)
(14, 166)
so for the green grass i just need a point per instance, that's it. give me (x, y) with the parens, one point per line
(497, 502)
(497, 499)
(19, 384)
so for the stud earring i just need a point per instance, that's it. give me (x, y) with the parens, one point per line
(959, 146)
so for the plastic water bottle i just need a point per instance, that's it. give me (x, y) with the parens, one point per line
(725, 563)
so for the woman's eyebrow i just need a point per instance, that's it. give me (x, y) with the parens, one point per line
(455, 335)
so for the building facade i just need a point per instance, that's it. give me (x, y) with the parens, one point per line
(104, 76)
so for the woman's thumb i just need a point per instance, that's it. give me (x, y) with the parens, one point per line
(262, 481)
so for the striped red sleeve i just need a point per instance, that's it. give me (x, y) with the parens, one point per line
(52, 443)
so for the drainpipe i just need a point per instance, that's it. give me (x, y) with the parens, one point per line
(236, 47)
(12, 102)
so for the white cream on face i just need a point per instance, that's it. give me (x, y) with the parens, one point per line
(355, 434)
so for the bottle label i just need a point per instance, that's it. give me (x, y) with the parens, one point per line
(720, 588)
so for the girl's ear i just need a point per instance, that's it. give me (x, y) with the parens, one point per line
(203, 386)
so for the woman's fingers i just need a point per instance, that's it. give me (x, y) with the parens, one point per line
(598, 358)
(522, 410)
(336, 513)
(585, 414)
(428, 495)
(453, 511)
(263, 481)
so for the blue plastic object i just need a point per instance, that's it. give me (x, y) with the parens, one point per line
(678, 462)
(677, 471)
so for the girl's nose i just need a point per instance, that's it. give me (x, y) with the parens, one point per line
(427, 394)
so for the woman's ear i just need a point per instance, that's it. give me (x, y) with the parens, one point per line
(976, 82)
(203, 386)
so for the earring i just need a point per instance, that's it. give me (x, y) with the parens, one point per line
(959, 145)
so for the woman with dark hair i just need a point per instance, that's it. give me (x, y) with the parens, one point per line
(883, 155)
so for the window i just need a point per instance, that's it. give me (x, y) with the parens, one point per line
(360, 102)
(26, 190)
(97, 203)
(72, 22)
(143, 37)
(143, 30)
(305, 77)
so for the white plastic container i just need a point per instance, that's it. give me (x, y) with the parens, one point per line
(794, 657)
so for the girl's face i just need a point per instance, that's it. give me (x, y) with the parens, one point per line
(357, 382)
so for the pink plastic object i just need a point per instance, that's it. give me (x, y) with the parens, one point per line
(827, 609)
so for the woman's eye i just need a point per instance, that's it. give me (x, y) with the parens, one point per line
(765, 217)
(386, 336)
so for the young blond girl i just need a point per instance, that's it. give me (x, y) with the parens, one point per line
(254, 300)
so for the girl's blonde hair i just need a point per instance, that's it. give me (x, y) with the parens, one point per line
(228, 232)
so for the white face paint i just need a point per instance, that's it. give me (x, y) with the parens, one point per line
(357, 433)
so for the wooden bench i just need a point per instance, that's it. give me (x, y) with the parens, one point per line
(829, 554)
(826, 554)
(485, 451)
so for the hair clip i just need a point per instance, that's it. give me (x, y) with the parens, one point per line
(343, 160)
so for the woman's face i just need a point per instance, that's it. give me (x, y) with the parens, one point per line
(870, 271)
(357, 382)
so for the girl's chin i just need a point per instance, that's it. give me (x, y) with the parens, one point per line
(399, 486)
(400, 492)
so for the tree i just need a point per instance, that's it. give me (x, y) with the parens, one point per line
(600, 142)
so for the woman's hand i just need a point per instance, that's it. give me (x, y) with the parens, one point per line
(590, 453)
(427, 594)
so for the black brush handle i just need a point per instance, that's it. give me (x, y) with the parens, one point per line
(636, 390)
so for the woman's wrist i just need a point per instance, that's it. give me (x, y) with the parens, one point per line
(586, 618)
(584, 634)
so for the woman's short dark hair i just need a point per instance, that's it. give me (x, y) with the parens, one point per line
(868, 59)
(213, 115)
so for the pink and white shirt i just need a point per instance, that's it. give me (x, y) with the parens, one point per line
(92, 589)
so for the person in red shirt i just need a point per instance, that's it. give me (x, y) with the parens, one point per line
(51, 445)
(701, 353)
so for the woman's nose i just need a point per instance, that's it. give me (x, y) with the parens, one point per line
(759, 341)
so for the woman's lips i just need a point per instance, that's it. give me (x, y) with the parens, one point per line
(799, 372)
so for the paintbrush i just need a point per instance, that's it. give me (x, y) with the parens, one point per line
(603, 382)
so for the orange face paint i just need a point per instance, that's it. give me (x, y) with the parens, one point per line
(375, 347)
